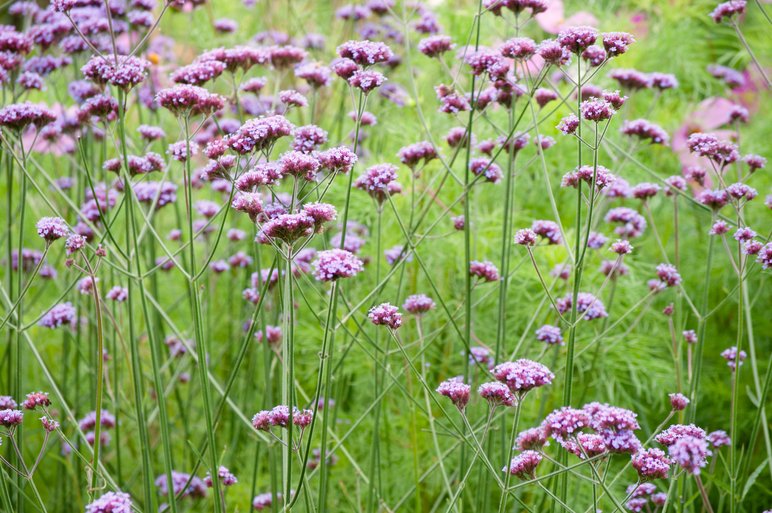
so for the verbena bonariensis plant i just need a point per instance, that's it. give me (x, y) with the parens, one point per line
(384, 257)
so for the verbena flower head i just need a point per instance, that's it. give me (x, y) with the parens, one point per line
(484, 271)
(533, 438)
(123, 72)
(485, 168)
(631, 79)
(719, 438)
(187, 100)
(198, 73)
(35, 399)
(418, 304)
(518, 48)
(616, 43)
(733, 357)
(525, 237)
(569, 124)
(523, 375)
(455, 390)
(550, 335)
(678, 401)
(651, 464)
(586, 304)
(18, 116)
(548, 230)
(497, 394)
(366, 80)
(111, 502)
(668, 275)
(564, 422)
(728, 10)
(597, 110)
(676, 431)
(52, 228)
(645, 130)
(524, 465)
(691, 453)
(365, 53)
(434, 46)
(577, 39)
(553, 52)
(385, 314)
(60, 315)
(259, 134)
(340, 159)
(10, 417)
(333, 264)
(378, 181)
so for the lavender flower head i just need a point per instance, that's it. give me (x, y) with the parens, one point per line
(691, 453)
(678, 401)
(733, 357)
(333, 264)
(60, 315)
(52, 228)
(385, 314)
(651, 464)
(455, 390)
(577, 39)
(111, 502)
(550, 335)
(523, 375)
(497, 394)
(418, 304)
(524, 465)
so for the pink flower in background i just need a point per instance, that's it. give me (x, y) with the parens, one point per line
(553, 20)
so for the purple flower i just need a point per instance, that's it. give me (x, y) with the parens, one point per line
(524, 465)
(484, 271)
(719, 438)
(644, 129)
(60, 315)
(733, 357)
(678, 401)
(547, 230)
(728, 10)
(184, 99)
(339, 159)
(568, 124)
(434, 46)
(11, 417)
(486, 168)
(523, 375)
(596, 110)
(259, 134)
(669, 436)
(385, 314)
(533, 438)
(333, 264)
(651, 464)
(577, 39)
(18, 116)
(564, 422)
(122, 71)
(378, 181)
(586, 304)
(690, 453)
(525, 237)
(631, 79)
(616, 43)
(365, 53)
(111, 502)
(668, 275)
(497, 394)
(52, 228)
(198, 73)
(418, 304)
(455, 390)
(550, 335)
(366, 80)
